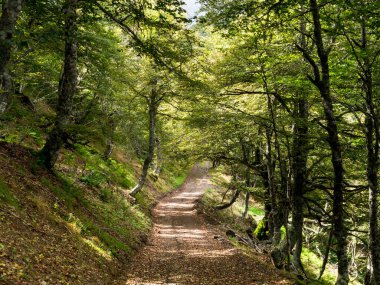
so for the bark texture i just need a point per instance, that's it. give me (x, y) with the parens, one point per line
(299, 167)
(157, 165)
(274, 195)
(322, 82)
(293, 243)
(109, 133)
(300, 151)
(372, 140)
(67, 88)
(10, 13)
(153, 104)
(246, 205)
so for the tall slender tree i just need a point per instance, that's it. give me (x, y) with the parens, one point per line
(299, 164)
(321, 80)
(10, 13)
(363, 44)
(153, 102)
(67, 87)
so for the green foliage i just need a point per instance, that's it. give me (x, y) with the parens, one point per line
(20, 125)
(312, 263)
(177, 174)
(122, 173)
(256, 211)
(105, 195)
(98, 171)
(178, 180)
(111, 242)
(229, 100)
(94, 178)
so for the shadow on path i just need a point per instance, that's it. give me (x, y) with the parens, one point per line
(182, 248)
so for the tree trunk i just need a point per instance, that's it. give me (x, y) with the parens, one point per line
(294, 234)
(157, 165)
(300, 151)
(152, 123)
(109, 133)
(294, 237)
(67, 88)
(108, 149)
(277, 199)
(372, 170)
(299, 168)
(265, 180)
(10, 13)
(274, 222)
(322, 82)
(372, 141)
(246, 205)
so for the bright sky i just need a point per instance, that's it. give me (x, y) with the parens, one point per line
(191, 7)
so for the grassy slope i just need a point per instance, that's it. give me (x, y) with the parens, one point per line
(75, 226)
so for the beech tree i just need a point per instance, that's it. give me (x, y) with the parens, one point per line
(321, 79)
(317, 46)
(67, 87)
(68, 83)
(363, 47)
(282, 95)
(153, 101)
(9, 15)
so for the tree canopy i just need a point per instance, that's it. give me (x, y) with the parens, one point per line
(283, 96)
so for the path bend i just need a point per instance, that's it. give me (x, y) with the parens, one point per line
(182, 249)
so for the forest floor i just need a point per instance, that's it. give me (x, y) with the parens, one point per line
(185, 249)
(56, 228)
(57, 232)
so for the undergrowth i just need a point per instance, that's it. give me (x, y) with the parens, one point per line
(230, 218)
(88, 196)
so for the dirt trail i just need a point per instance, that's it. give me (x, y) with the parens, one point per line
(182, 248)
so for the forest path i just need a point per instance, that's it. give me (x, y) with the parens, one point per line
(182, 248)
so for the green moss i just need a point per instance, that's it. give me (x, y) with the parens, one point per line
(283, 232)
(176, 173)
(144, 201)
(7, 196)
(261, 232)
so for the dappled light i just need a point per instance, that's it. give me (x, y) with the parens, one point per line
(184, 249)
(210, 142)
(75, 225)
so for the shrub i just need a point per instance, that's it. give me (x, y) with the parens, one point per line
(94, 178)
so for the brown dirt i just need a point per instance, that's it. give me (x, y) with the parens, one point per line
(37, 246)
(183, 248)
